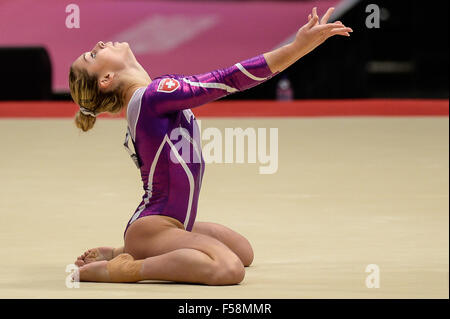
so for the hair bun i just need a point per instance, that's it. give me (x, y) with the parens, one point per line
(84, 122)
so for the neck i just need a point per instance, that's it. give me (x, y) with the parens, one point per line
(134, 79)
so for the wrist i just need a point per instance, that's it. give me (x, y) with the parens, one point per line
(283, 57)
(297, 48)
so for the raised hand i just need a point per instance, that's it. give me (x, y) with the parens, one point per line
(316, 32)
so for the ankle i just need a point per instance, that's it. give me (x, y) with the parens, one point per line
(124, 268)
(116, 252)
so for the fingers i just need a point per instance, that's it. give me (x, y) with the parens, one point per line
(344, 31)
(314, 18)
(341, 31)
(327, 16)
(313, 22)
(330, 26)
(336, 28)
(332, 29)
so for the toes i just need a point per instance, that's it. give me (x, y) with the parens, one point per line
(86, 253)
(81, 260)
(92, 255)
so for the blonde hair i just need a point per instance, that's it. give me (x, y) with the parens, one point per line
(86, 93)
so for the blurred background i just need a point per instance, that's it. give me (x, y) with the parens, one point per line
(406, 56)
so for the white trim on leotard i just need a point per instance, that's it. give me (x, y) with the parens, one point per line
(134, 109)
(222, 86)
(149, 189)
(190, 179)
(251, 76)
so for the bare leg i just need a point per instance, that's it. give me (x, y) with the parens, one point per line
(165, 251)
(233, 240)
(191, 257)
(182, 265)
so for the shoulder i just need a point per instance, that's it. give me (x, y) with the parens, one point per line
(164, 89)
(168, 83)
(161, 93)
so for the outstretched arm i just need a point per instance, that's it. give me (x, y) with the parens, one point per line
(174, 92)
(308, 37)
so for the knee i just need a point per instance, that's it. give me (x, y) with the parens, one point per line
(227, 273)
(245, 252)
(248, 256)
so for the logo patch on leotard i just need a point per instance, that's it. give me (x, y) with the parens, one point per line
(168, 85)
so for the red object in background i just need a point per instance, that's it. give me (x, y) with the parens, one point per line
(298, 108)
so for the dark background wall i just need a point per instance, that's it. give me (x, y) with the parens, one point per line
(26, 74)
(407, 57)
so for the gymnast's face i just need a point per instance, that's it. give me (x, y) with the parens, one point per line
(106, 60)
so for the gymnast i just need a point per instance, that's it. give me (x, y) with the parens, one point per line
(162, 240)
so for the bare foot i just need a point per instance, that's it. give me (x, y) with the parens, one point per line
(95, 254)
(122, 268)
(95, 271)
